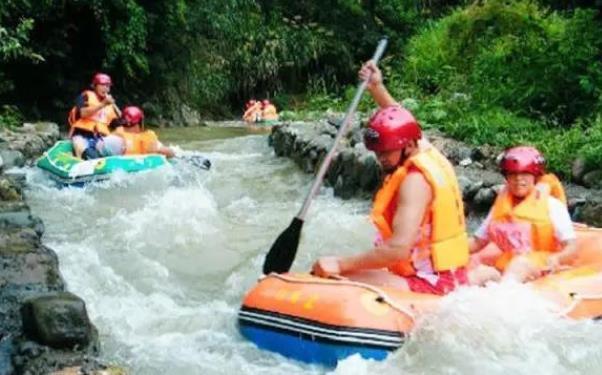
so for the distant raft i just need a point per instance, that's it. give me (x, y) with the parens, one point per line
(69, 170)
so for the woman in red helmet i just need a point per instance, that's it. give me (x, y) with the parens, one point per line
(89, 119)
(529, 225)
(418, 211)
(129, 129)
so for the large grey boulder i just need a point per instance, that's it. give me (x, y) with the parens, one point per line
(12, 158)
(58, 320)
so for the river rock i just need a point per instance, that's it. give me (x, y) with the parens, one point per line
(322, 144)
(468, 186)
(189, 116)
(12, 158)
(29, 267)
(6, 352)
(16, 214)
(578, 169)
(593, 179)
(345, 185)
(589, 211)
(18, 241)
(9, 191)
(370, 175)
(483, 199)
(59, 321)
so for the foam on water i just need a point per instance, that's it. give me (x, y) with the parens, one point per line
(502, 329)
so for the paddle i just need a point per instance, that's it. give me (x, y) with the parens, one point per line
(198, 161)
(282, 253)
(116, 109)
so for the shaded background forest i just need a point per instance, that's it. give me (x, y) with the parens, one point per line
(489, 71)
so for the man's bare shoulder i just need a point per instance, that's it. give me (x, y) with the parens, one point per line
(415, 186)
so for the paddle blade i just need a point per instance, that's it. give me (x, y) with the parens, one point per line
(197, 161)
(282, 254)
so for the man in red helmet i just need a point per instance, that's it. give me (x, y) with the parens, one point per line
(418, 210)
(529, 226)
(129, 130)
(89, 119)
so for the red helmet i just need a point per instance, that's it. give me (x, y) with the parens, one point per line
(133, 115)
(101, 79)
(523, 159)
(391, 128)
(265, 102)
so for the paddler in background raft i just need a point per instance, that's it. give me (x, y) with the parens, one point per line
(418, 210)
(89, 119)
(253, 111)
(130, 138)
(528, 229)
(268, 111)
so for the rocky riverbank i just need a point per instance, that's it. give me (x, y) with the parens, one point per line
(44, 329)
(355, 171)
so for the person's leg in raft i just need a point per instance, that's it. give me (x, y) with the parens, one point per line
(84, 147)
(80, 144)
(110, 145)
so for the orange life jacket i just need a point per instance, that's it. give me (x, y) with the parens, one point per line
(443, 230)
(556, 189)
(269, 113)
(97, 123)
(145, 142)
(532, 215)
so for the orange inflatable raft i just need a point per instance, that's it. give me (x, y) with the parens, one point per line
(318, 320)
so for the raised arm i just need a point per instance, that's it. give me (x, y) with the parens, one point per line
(375, 85)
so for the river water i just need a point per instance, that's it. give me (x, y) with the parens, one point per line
(163, 260)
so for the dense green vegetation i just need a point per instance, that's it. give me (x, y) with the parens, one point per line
(508, 73)
(489, 71)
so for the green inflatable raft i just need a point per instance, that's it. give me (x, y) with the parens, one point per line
(66, 169)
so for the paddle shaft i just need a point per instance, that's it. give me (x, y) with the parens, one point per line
(346, 124)
(281, 256)
(117, 110)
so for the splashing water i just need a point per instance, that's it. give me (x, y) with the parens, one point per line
(164, 258)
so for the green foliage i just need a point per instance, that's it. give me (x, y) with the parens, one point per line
(14, 43)
(10, 117)
(591, 149)
(515, 55)
(124, 27)
(211, 55)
